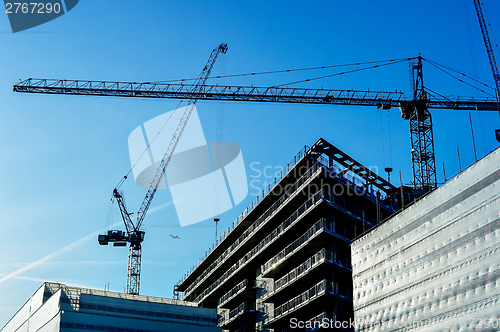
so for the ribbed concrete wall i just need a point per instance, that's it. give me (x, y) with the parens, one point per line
(436, 265)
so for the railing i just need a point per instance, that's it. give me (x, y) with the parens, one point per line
(302, 269)
(264, 243)
(242, 216)
(255, 225)
(302, 299)
(236, 311)
(235, 290)
(232, 314)
(323, 223)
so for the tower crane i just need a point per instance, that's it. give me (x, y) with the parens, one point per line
(414, 109)
(491, 55)
(134, 235)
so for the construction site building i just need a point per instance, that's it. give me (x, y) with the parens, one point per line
(285, 263)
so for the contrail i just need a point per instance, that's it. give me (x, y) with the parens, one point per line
(159, 207)
(67, 248)
(55, 263)
(45, 280)
(50, 256)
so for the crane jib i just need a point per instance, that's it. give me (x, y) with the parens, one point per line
(487, 106)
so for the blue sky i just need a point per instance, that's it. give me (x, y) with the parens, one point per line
(61, 156)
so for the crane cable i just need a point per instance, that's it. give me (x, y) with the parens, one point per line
(148, 146)
(342, 73)
(441, 68)
(470, 76)
(283, 70)
(434, 93)
(110, 220)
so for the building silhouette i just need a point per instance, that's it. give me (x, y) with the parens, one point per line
(285, 263)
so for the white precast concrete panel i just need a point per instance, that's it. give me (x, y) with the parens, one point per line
(66, 308)
(32, 305)
(36, 315)
(46, 318)
(436, 265)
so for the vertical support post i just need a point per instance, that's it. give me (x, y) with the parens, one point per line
(472, 133)
(364, 221)
(330, 162)
(402, 191)
(444, 173)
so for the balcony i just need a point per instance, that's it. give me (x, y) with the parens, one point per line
(302, 300)
(245, 290)
(269, 267)
(322, 256)
(237, 318)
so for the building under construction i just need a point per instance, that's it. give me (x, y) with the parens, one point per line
(285, 263)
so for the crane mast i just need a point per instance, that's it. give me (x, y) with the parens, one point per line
(135, 236)
(421, 134)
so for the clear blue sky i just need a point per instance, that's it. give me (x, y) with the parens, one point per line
(61, 156)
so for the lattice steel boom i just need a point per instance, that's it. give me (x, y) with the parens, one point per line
(242, 93)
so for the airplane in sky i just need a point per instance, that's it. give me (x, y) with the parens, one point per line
(175, 236)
